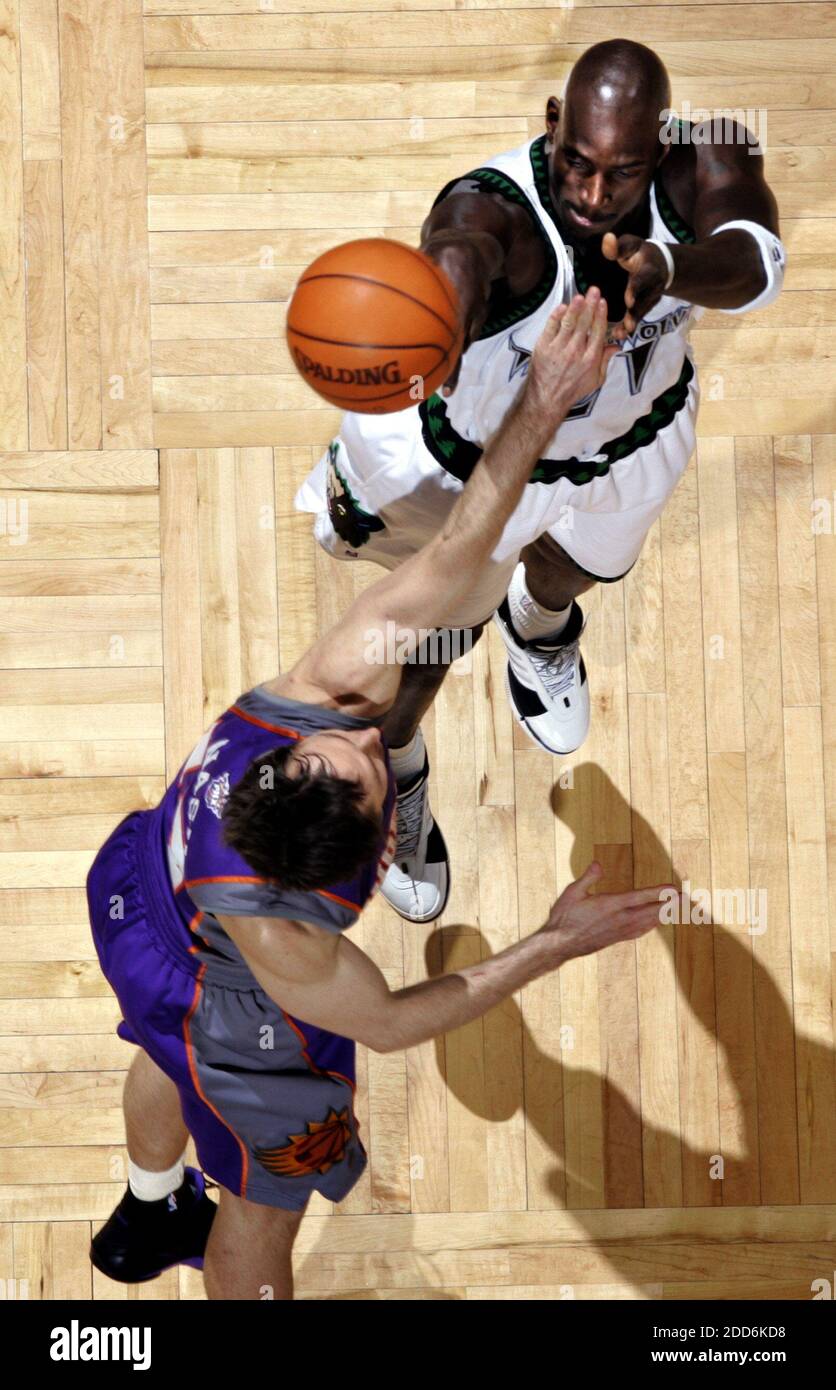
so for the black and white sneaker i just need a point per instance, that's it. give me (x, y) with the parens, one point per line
(546, 683)
(142, 1239)
(417, 884)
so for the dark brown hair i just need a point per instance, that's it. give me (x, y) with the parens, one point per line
(306, 829)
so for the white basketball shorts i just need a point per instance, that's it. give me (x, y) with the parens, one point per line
(380, 494)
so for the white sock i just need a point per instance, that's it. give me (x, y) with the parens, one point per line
(149, 1186)
(408, 761)
(529, 618)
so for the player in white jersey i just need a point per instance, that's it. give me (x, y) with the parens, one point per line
(666, 219)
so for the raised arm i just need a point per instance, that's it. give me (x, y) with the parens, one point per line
(329, 982)
(569, 361)
(476, 238)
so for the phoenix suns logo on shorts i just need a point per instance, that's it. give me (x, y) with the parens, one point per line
(321, 1146)
(351, 523)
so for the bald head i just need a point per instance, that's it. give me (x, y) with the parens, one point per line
(621, 76)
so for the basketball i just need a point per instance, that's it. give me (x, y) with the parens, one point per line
(373, 326)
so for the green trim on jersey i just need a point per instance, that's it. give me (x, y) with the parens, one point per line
(455, 454)
(675, 224)
(459, 456)
(504, 316)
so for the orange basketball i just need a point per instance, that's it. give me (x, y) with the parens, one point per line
(373, 326)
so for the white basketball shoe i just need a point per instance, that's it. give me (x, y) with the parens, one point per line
(546, 683)
(417, 883)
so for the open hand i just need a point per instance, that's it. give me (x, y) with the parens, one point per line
(582, 922)
(570, 358)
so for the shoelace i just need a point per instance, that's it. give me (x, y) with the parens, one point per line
(410, 820)
(556, 669)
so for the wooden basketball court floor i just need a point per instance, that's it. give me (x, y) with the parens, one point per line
(654, 1122)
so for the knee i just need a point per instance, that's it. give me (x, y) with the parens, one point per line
(241, 1214)
(548, 555)
(552, 576)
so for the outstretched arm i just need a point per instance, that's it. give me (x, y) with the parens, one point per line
(476, 237)
(569, 361)
(329, 982)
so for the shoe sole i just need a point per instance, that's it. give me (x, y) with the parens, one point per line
(194, 1261)
(535, 738)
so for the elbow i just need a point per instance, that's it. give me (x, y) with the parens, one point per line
(383, 1038)
(378, 1042)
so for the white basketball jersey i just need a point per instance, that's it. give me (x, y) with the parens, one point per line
(646, 381)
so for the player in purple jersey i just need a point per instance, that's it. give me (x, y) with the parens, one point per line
(219, 916)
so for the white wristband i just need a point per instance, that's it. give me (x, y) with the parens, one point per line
(666, 252)
(773, 260)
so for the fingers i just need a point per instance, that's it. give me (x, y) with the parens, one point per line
(587, 313)
(578, 319)
(639, 921)
(553, 323)
(597, 353)
(570, 318)
(597, 329)
(641, 910)
(569, 354)
(584, 885)
(634, 921)
(640, 897)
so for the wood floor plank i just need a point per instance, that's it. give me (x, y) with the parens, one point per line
(720, 596)
(40, 80)
(733, 964)
(797, 572)
(654, 954)
(121, 176)
(813, 1013)
(80, 42)
(182, 647)
(14, 427)
(824, 528)
(649, 24)
(767, 814)
(46, 327)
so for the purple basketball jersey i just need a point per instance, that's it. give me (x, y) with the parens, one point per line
(209, 878)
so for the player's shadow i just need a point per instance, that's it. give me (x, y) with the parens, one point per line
(651, 1165)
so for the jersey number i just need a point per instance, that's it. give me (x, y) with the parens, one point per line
(637, 361)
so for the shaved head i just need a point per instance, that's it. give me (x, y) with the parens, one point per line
(623, 76)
